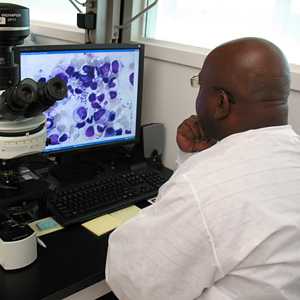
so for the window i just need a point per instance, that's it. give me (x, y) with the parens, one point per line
(208, 23)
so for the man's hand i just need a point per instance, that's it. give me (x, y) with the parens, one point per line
(191, 137)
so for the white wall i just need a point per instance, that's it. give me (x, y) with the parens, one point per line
(168, 98)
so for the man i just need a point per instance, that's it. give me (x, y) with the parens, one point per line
(227, 224)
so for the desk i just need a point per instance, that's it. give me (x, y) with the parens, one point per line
(73, 260)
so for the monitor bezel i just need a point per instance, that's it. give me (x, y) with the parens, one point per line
(65, 47)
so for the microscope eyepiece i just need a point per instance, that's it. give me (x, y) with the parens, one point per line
(53, 90)
(19, 98)
(29, 98)
(22, 96)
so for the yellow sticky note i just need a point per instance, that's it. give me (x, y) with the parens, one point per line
(102, 224)
(111, 221)
(125, 214)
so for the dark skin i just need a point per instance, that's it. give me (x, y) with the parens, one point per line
(244, 84)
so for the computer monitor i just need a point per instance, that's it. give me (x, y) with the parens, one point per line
(103, 105)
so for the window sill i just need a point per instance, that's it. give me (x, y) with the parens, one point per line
(194, 57)
(58, 31)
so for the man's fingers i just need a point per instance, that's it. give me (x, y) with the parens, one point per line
(194, 126)
(191, 128)
(190, 136)
(202, 145)
(185, 144)
(185, 130)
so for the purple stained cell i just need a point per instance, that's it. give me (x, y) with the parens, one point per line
(80, 125)
(112, 116)
(53, 139)
(82, 112)
(70, 88)
(89, 70)
(111, 83)
(70, 70)
(105, 79)
(92, 97)
(105, 102)
(100, 128)
(49, 123)
(104, 70)
(91, 74)
(63, 77)
(78, 91)
(90, 120)
(63, 138)
(127, 131)
(101, 97)
(42, 80)
(90, 131)
(85, 79)
(119, 131)
(94, 85)
(76, 75)
(113, 94)
(98, 114)
(109, 131)
(115, 66)
(96, 105)
(131, 78)
(86, 68)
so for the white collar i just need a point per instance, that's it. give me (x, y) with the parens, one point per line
(259, 131)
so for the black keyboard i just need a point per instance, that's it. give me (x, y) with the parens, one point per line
(81, 202)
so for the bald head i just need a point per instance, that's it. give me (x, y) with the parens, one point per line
(253, 76)
(253, 69)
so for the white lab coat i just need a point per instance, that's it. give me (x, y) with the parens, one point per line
(226, 226)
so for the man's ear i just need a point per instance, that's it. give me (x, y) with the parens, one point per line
(223, 106)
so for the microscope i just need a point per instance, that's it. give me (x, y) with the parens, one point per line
(22, 123)
(22, 131)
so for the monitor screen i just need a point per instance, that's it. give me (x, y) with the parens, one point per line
(104, 92)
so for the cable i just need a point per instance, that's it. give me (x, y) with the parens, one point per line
(80, 3)
(126, 24)
(77, 8)
(89, 36)
(136, 16)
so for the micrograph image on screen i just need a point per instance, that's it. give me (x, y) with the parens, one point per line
(101, 105)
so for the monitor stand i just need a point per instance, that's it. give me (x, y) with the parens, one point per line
(74, 168)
